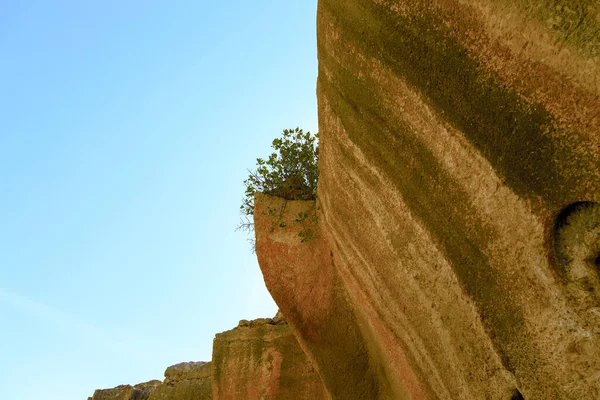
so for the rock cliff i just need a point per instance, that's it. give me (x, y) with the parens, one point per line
(184, 381)
(261, 360)
(258, 360)
(456, 249)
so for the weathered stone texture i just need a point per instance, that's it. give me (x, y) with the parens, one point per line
(258, 360)
(261, 360)
(188, 370)
(453, 137)
(184, 381)
(187, 389)
(304, 283)
(123, 392)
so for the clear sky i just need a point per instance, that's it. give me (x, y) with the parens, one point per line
(126, 128)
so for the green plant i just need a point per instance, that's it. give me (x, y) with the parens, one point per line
(290, 172)
(306, 234)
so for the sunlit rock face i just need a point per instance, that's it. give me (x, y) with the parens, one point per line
(188, 380)
(122, 392)
(261, 360)
(301, 276)
(257, 360)
(184, 381)
(458, 213)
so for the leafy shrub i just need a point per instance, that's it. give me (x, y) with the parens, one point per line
(291, 172)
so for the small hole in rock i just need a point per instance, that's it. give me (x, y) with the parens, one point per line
(517, 395)
(597, 262)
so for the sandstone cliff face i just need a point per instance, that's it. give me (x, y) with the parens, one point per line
(261, 360)
(190, 380)
(458, 232)
(304, 283)
(258, 360)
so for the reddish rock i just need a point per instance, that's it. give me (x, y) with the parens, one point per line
(258, 360)
(184, 381)
(261, 360)
(457, 244)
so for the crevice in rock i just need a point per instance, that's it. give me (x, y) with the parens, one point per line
(577, 239)
(516, 395)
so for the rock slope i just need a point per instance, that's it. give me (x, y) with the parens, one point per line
(458, 240)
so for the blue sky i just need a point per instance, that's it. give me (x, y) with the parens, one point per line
(126, 128)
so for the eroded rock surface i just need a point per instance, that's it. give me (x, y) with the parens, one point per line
(453, 135)
(122, 392)
(258, 360)
(261, 360)
(304, 283)
(188, 370)
(184, 381)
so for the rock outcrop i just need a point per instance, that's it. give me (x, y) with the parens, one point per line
(455, 253)
(122, 392)
(302, 278)
(454, 249)
(258, 360)
(184, 381)
(188, 371)
(261, 360)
